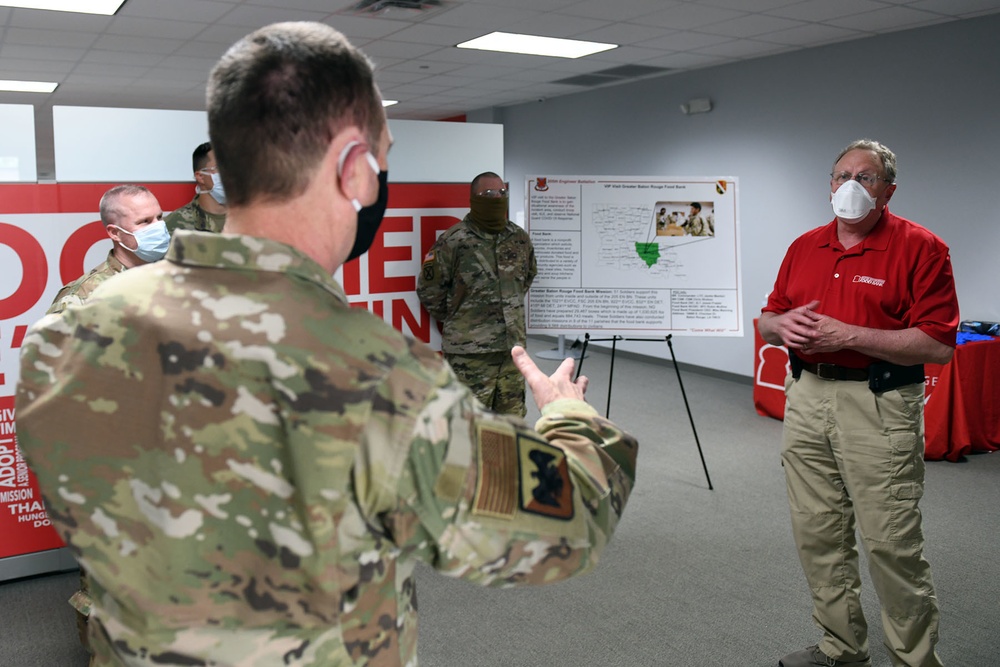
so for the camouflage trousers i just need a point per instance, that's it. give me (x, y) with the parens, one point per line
(493, 378)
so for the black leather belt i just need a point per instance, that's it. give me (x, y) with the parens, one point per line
(835, 372)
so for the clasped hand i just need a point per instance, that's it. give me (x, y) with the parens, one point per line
(811, 332)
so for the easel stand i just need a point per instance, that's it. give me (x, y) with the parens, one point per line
(607, 413)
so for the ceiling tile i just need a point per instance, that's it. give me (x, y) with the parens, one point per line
(688, 16)
(812, 35)
(204, 11)
(619, 10)
(888, 19)
(37, 18)
(26, 52)
(57, 38)
(553, 25)
(137, 44)
(742, 48)
(750, 25)
(155, 28)
(957, 8)
(622, 33)
(252, 17)
(684, 41)
(823, 10)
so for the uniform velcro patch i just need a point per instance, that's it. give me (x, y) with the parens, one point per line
(546, 487)
(496, 488)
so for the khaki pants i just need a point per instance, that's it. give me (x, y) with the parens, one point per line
(493, 378)
(854, 459)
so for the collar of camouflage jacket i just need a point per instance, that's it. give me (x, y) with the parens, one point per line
(239, 252)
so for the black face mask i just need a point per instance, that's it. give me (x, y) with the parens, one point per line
(369, 219)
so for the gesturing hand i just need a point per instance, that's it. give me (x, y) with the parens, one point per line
(549, 388)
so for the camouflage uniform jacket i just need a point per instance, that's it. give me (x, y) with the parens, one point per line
(80, 289)
(474, 283)
(192, 216)
(249, 469)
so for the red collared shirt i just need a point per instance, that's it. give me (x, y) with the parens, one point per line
(898, 277)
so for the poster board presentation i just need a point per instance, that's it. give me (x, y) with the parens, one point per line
(640, 256)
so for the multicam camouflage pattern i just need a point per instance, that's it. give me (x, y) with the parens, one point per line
(493, 378)
(474, 283)
(249, 469)
(80, 289)
(193, 217)
(695, 225)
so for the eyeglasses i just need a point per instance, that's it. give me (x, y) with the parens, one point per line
(865, 179)
(209, 170)
(502, 192)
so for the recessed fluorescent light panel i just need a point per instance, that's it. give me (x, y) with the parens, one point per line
(509, 42)
(105, 7)
(389, 103)
(28, 86)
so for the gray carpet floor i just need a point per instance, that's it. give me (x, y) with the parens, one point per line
(694, 577)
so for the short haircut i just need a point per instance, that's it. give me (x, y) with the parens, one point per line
(886, 156)
(275, 101)
(696, 205)
(475, 182)
(111, 202)
(200, 156)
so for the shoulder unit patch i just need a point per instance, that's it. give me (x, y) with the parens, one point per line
(546, 487)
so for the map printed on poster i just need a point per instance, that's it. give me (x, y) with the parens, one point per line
(636, 255)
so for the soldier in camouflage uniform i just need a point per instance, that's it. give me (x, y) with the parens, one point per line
(207, 211)
(248, 467)
(125, 210)
(474, 280)
(695, 224)
(128, 208)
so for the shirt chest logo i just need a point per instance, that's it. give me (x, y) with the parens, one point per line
(868, 280)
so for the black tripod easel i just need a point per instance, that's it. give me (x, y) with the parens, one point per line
(611, 375)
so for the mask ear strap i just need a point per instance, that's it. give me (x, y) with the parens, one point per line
(351, 145)
(343, 156)
(372, 162)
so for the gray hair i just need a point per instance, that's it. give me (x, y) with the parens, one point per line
(111, 207)
(886, 156)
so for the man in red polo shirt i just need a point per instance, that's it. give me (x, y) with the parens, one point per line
(861, 303)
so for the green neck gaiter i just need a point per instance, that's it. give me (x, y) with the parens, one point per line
(488, 213)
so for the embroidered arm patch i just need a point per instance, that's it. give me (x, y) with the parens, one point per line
(496, 487)
(517, 472)
(546, 487)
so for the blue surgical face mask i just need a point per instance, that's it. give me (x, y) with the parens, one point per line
(151, 241)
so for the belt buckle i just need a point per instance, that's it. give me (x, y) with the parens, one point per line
(826, 371)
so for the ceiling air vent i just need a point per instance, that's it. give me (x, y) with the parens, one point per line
(613, 75)
(385, 6)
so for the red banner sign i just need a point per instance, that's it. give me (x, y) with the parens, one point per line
(50, 234)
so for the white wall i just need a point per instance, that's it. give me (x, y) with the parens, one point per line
(155, 145)
(931, 95)
(17, 143)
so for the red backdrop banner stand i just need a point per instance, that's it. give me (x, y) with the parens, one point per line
(51, 233)
(23, 522)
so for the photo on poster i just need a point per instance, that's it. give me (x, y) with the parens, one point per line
(675, 219)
